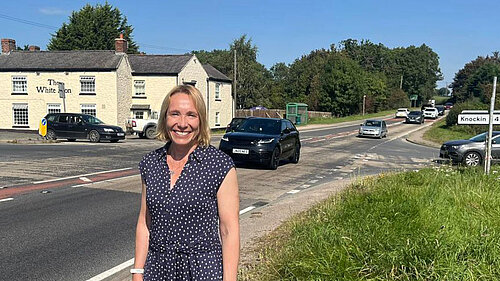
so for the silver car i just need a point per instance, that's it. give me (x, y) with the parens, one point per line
(373, 128)
(471, 152)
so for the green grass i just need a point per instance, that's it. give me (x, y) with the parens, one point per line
(440, 133)
(333, 120)
(220, 131)
(434, 224)
(440, 99)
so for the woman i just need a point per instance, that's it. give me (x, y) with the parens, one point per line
(189, 199)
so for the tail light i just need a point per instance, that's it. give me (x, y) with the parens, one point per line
(134, 124)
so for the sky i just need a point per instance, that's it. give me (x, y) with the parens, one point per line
(458, 31)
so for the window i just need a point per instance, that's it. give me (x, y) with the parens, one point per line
(20, 111)
(87, 84)
(217, 91)
(89, 109)
(139, 114)
(139, 87)
(53, 108)
(217, 118)
(19, 85)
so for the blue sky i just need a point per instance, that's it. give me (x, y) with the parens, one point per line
(458, 31)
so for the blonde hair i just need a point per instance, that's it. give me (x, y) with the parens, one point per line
(203, 137)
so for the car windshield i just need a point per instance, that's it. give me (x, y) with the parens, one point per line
(91, 120)
(415, 113)
(262, 126)
(372, 123)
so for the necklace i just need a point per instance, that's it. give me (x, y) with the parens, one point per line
(175, 166)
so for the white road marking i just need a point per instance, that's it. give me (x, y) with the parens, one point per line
(305, 186)
(365, 160)
(112, 271)
(339, 178)
(6, 199)
(91, 174)
(319, 177)
(110, 180)
(85, 179)
(293, 191)
(247, 209)
(313, 181)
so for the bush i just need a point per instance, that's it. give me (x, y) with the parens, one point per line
(452, 117)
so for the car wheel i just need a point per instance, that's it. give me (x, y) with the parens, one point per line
(71, 140)
(472, 159)
(151, 132)
(296, 154)
(275, 160)
(51, 135)
(94, 136)
(114, 140)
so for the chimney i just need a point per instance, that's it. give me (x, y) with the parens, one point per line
(32, 48)
(121, 44)
(8, 45)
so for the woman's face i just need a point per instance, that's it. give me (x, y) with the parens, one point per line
(183, 121)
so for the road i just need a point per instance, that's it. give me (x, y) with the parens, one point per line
(75, 232)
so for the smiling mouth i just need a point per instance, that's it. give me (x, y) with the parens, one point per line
(181, 133)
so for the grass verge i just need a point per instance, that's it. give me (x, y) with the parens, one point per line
(441, 133)
(432, 224)
(334, 120)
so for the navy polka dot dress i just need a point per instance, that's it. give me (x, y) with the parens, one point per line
(184, 242)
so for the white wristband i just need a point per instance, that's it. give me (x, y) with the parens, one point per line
(137, 270)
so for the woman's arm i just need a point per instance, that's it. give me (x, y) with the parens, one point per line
(141, 236)
(228, 206)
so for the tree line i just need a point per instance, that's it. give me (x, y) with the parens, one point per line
(334, 80)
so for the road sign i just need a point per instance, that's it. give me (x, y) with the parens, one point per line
(42, 128)
(477, 119)
(62, 94)
(413, 97)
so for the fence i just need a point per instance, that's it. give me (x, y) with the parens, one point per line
(276, 113)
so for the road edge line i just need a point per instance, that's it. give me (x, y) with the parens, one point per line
(112, 271)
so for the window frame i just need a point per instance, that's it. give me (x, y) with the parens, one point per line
(91, 89)
(136, 93)
(53, 106)
(217, 91)
(87, 107)
(217, 118)
(19, 78)
(18, 124)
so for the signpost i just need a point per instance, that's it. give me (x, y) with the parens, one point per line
(483, 117)
(413, 98)
(62, 94)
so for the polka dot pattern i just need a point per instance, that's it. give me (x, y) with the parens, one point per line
(184, 241)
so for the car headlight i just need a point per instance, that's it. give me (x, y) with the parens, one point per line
(224, 138)
(108, 130)
(265, 141)
(455, 147)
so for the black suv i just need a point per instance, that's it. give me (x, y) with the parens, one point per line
(263, 140)
(72, 126)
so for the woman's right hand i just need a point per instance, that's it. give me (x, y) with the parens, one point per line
(137, 277)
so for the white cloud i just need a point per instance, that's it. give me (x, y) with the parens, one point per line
(52, 11)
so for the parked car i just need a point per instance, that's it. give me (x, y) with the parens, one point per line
(373, 128)
(440, 109)
(431, 112)
(144, 128)
(235, 122)
(402, 113)
(471, 152)
(416, 117)
(264, 141)
(448, 105)
(72, 126)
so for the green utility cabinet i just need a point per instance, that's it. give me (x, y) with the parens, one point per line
(297, 113)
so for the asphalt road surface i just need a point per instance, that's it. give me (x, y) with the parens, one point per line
(76, 232)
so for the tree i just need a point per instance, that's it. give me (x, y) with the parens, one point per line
(93, 28)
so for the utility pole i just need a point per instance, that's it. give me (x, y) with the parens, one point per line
(487, 162)
(234, 85)
(401, 83)
(364, 101)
